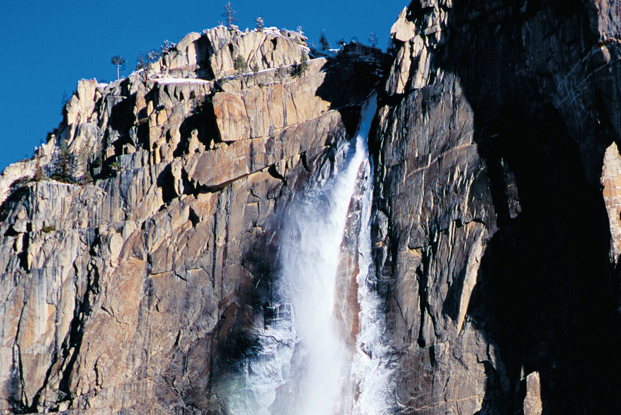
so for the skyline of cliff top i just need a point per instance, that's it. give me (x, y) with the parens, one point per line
(50, 46)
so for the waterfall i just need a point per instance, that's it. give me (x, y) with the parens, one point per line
(323, 351)
(312, 248)
(373, 362)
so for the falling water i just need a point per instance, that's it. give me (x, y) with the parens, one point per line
(308, 364)
(373, 363)
(315, 230)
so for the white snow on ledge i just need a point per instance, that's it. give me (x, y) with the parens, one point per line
(180, 81)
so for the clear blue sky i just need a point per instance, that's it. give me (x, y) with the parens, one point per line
(50, 45)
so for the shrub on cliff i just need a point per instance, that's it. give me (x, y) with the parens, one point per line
(63, 102)
(39, 172)
(323, 41)
(153, 55)
(64, 164)
(83, 166)
(141, 61)
(68, 167)
(281, 73)
(49, 228)
(240, 65)
(301, 68)
(167, 46)
(255, 68)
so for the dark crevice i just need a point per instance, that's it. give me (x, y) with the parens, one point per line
(275, 174)
(203, 121)
(350, 78)
(73, 343)
(304, 162)
(16, 198)
(15, 385)
(422, 276)
(11, 232)
(451, 304)
(193, 217)
(166, 181)
(350, 115)
(23, 255)
(37, 397)
(122, 119)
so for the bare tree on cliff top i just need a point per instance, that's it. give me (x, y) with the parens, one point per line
(229, 14)
(167, 47)
(119, 62)
(141, 61)
(323, 41)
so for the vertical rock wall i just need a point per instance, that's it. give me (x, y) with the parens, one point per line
(499, 273)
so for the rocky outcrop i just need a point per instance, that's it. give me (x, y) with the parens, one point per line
(532, 401)
(611, 173)
(212, 54)
(496, 262)
(132, 244)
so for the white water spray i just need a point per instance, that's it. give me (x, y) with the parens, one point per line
(312, 247)
(306, 365)
(373, 363)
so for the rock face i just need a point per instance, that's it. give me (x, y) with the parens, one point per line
(132, 242)
(136, 245)
(611, 173)
(497, 263)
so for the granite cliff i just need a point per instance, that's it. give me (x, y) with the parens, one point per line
(138, 246)
(499, 268)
